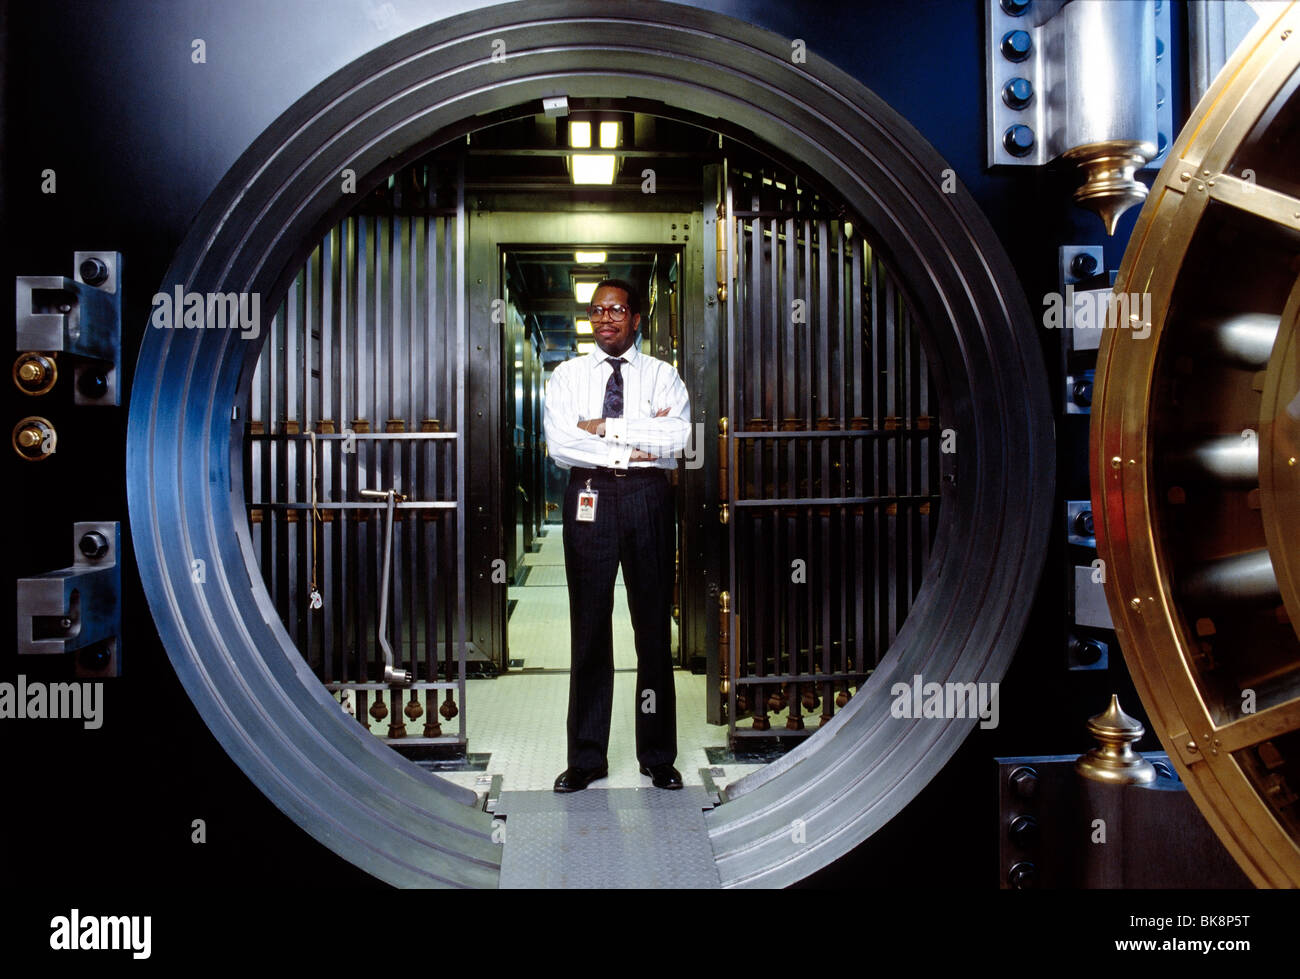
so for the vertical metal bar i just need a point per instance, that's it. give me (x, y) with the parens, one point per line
(891, 442)
(839, 535)
(266, 455)
(350, 364)
(294, 555)
(428, 570)
(932, 437)
(462, 365)
(875, 511)
(366, 551)
(915, 558)
(310, 323)
(735, 357)
(325, 447)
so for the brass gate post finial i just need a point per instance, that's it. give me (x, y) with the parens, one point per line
(1110, 185)
(1114, 760)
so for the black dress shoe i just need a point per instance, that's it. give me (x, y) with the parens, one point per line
(663, 776)
(574, 779)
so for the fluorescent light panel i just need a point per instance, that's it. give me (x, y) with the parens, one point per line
(589, 258)
(580, 135)
(593, 168)
(583, 327)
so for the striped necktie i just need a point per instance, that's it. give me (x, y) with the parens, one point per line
(613, 407)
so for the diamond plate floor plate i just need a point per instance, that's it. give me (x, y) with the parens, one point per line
(607, 838)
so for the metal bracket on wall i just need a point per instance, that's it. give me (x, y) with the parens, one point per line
(80, 317)
(1050, 822)
(1078, 523)
(77, 609)
(1031, 89)
(1087, 596)
(1083, 314)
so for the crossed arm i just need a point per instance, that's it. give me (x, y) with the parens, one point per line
(615, 442)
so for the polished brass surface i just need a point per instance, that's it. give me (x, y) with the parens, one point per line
(1114, 760)
(34, 438)
(1201, 559)
(1279, 449)
(1110, 185)
(35, 373)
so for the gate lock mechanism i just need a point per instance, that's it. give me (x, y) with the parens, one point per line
(77, 609)
(79, 317)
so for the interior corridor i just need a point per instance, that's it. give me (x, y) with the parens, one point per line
(518, 719)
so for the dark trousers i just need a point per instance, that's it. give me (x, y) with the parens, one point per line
(635, 526)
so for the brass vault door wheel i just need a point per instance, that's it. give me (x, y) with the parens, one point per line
(1195, 438)
(184, 448)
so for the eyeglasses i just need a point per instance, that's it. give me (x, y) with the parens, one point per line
(616, 313)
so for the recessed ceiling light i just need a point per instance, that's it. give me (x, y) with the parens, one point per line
(580, 135)
(608, 135)
(589, 258)
(596, 168)
(586, 348)
(582, 291)
(583, 327)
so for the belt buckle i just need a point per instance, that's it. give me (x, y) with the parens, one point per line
(621, 473)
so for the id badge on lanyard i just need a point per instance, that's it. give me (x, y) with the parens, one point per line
(587, 504)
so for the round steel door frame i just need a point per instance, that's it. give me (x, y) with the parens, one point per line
(223, 635)
(1152, 618)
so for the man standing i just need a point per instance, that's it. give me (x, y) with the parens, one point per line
(616, 419)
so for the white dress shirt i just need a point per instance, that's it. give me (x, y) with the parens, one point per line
(576, 392)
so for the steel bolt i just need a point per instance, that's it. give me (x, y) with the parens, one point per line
(1023, 876)
(1086, 651)
(1082, 393)
(1018, 92)
(1016, 45)
(93, 544)
(92, 384)
(1024, 831)
(1015, 8)
(1083, 525)
(1083, 265)
(94, 271)
(1024, 782)
(1018, 140)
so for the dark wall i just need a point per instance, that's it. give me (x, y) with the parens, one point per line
(107, 95)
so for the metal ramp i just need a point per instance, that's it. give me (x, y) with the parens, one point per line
(607, 838)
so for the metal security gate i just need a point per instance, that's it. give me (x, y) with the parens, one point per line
(828, 449)
(360, 390)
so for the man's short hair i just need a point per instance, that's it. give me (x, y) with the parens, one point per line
(633, 296)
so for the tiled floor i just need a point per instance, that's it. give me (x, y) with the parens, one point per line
(519, 718)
